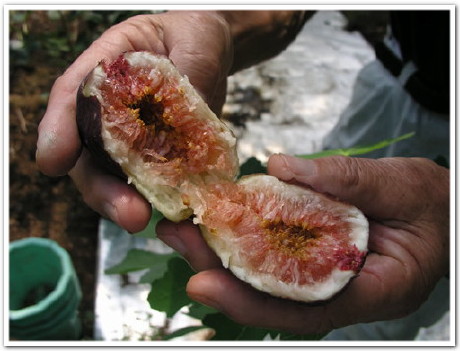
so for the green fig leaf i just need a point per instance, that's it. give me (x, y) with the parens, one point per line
(150, 230)
(252, 166)
(136, 260)
(199, 311)
(168, 292)
(358, 150)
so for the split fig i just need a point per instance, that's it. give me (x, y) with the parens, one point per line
(144, 120)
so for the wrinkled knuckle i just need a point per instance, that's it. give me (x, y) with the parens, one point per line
(199, 16)
(60, 80)
(136, 19)
(133, 23)
(208, 21)
(102, 47)
(349, 171)
(205, 17)
(62, 85)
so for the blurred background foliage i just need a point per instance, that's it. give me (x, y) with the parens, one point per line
(57, 37)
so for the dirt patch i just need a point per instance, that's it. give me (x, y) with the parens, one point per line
(42, 206)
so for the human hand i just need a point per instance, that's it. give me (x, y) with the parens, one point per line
(407, 203)
(199, 44)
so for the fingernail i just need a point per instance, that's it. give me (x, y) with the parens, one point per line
(110, 211)
(300, 166)
(292, 168)
(42, 142)
(46, 140)
(47, 155)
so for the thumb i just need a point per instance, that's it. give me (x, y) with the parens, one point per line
(371, 185)
(58, 143)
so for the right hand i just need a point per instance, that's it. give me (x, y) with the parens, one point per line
(200, 45)
(407, 203)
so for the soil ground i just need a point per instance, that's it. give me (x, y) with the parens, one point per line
(51, 207)
(42, 206)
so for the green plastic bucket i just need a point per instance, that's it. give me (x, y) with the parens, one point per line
(44, 292)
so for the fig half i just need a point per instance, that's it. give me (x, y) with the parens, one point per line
(144, 120)
(283, 239)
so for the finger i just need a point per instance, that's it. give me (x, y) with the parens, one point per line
(365, 299)
(185, 238)
(109, 196)
(219, 289)
(366, 183)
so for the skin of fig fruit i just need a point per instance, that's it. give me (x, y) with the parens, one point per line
(89, 128)
(145, 122)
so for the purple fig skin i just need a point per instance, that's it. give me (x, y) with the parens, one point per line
(89, 127)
